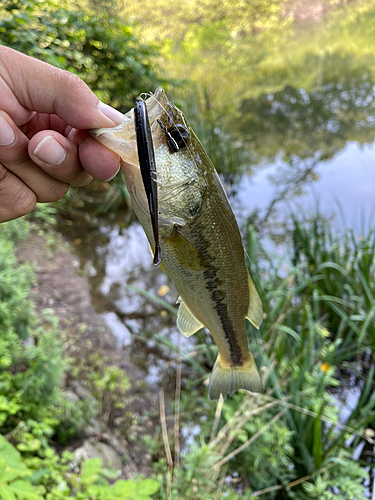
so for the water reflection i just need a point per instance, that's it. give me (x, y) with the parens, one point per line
(302, 135)
(342, 188)
(316, 124)
(115, 257)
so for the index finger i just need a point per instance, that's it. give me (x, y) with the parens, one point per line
(28, 85)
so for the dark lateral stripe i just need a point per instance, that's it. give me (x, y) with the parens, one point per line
(213, 286)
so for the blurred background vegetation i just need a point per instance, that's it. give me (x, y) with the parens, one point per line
(262, 82)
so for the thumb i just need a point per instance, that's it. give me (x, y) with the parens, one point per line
(29, 85)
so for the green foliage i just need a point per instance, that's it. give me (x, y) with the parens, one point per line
(100, 48)
(15, 284)
(195, 477)
(50, 479)
(341, 482)
(289, 442)
(33, 409)
(29, 383)
(91, 482)
(271, 456)
(43, 220)
(31, 362)
(31, 356)
(312, 326)
(15, 478)
(14, 231)
(107, 383)
(340, 272)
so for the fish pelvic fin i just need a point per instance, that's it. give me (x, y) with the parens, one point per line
(228, 379)
(255, 311)
(184, 251)
(187, 323)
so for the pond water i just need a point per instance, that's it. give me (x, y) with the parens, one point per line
(117, 258)
(306, 131)
(290, 126)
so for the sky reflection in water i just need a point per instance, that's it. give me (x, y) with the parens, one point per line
(299, 133)
(348, 179)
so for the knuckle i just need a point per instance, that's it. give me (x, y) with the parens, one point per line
(25, 202)
(4, 177)
(70, 80)
(15, 153)
(82, 180)
(55, 192)
(21, 200)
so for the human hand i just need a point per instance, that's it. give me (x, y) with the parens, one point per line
(44, 112)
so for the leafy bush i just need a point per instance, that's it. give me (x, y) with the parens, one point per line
(341, 273)
(14, 476)
(16, 310)
(97, 46)
(289, 442)
(26, 479)
(33, 409)
(31, 356)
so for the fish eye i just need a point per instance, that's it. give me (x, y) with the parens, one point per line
(180, 134)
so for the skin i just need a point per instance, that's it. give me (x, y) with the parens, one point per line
(44, 146)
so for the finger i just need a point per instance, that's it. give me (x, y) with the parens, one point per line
(98, 160)
(16, 199)
(14, 156)
(43, 121)
(58, 157)
(38, 86)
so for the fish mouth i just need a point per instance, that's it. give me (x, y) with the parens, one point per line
(157, 105)
(122, 138)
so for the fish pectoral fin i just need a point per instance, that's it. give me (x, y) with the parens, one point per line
(228, 379)
(255, 311)
(187, 323)
(168, 191)
(184, 251)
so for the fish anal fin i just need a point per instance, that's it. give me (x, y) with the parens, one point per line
(187, 323)
(255, 311)
(228, 379)
(184, 251)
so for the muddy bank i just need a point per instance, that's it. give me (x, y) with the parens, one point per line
(64, 289)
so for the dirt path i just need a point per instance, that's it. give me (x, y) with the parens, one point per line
(61, 287)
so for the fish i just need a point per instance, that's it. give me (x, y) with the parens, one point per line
(200, 242)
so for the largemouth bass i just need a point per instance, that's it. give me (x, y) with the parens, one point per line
(200, 242)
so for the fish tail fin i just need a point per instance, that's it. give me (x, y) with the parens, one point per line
(228, 379)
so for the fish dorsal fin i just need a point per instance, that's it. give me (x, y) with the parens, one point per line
(187, 323)
(184, 251)
(255, 311)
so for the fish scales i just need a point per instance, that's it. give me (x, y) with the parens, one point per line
(199, 238)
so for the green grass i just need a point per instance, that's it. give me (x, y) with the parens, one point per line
(289, 442)
(36, 418)
(344, 288)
